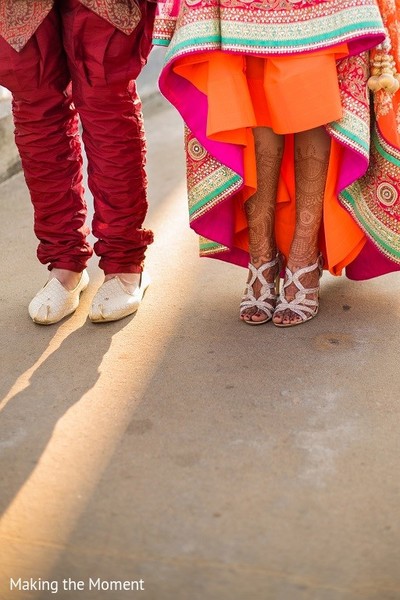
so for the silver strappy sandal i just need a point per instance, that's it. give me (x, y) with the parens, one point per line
(268, 293)
(305, 308)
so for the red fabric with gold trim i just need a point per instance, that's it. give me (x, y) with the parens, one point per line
(123, 14)
(19, 19)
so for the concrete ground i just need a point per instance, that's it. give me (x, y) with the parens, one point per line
(183, 451)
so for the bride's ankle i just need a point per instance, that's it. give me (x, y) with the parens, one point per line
(260, 259)
(296, 263)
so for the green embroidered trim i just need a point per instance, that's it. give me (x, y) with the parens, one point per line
(207, 247)
(298, 31)
(160, 42)
(386, 155)
(213, 197)
(388, 247)
(319, 40)
(349, 135)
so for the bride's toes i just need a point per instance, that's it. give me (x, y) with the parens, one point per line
(285, 317)
(252, 314)
(281, 316)
(277, 318)
(291, 318)
(246, 315)
(258, 317)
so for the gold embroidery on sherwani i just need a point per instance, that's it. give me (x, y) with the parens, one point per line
(19, 19)
(123, 14)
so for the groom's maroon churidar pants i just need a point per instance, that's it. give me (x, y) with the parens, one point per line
(77, 63)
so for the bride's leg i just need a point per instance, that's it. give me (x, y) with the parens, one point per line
(311, 166)
(260, 211)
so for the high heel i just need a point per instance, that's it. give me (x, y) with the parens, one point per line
(268, 293)
(300, 305)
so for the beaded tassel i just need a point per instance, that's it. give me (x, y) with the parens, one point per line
(384, 74)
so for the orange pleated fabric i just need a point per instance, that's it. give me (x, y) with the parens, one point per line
(290, 94)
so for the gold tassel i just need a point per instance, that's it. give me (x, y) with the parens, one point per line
(384, 74)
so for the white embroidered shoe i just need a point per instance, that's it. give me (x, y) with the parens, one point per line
(54, 302)
(113, 301)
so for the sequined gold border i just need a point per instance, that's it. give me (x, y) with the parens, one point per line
(243, 29)
(374, 200)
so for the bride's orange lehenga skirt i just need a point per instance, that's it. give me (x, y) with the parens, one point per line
(289, 94)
